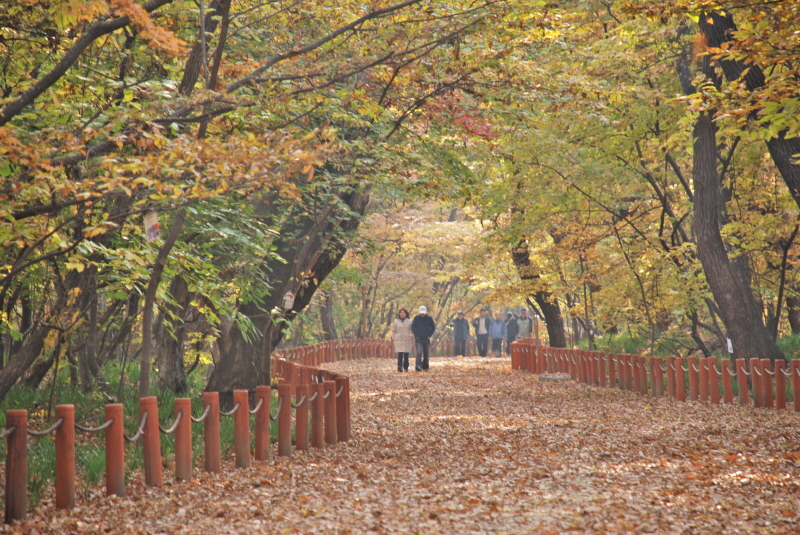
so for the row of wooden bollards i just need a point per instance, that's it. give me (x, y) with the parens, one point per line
(326, 402)
(692, 378)
(353, 349)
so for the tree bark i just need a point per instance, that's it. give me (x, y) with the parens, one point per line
(546, 302)
(793, 312)
(145, 358)
(729, 285)
(170, 353)
(326, 315)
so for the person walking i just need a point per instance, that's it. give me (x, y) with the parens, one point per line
(524, 324)
(423, 328)
(481, 326)
(403, 339)
(460, 335)
(512, 329)
(497, 331)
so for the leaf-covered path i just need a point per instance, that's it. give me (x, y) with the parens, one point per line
(471, 447)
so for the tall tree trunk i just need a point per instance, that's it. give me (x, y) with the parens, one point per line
(145, 358)
(793, 313)
(730, 287)
(170, 352)
(717, 29)
(546, 302)
(326, 315)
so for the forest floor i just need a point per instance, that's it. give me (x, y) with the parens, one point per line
(471, 447)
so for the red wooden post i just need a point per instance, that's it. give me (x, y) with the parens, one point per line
(727, 380)
(183, 440)
(301, 417)
(656, 378)
(612, 370)
(679, 380)
(780, 385)
(65, 457)
(17, 466)
(515, 356)
(263, 396)
(671, 369)
(285, 420)
(331, 436)
(211, 432)
(341, 409)
(741, 377)
(713, 380)
(241, 428)
(755, 375)
(317, 409)
(151, 442)
(115, 450)
(693, 372)
(766, 382)
(795, 369)
(704, 379)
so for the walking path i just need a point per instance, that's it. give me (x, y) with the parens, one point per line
(471, 447)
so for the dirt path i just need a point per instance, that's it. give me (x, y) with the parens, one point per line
(471, 447)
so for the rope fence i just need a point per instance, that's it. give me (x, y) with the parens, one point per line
(758, 381)
(319, 415)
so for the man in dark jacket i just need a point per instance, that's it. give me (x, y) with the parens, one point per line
(481, 325)
(422, 327)
(511, 330)
(460, 334)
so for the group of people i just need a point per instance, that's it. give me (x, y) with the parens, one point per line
(416, 334)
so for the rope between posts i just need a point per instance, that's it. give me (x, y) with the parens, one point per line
(785, 372)
(770, 372)
(258, 406)
(714, 365)
(202, 417)
(730, 371)
(274, 417)
(48, 430)
(139, 433)
(232, 411)
(747, 373)
(8, 432)
(685, 368)
(575, 362)
(694, 368)
(664, 368)
(312, 398)
(339, 393)
(755, 370)
(174, 424)
(300, 403)
(95, 429)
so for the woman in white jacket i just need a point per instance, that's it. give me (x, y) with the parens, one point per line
(403, 339)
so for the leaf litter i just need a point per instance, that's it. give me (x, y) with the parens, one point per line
(472, 447)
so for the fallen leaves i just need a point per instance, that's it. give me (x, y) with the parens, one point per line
(473, 447)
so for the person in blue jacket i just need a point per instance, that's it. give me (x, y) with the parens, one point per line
(497, 332)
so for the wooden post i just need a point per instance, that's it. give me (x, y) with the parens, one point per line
(331, 436)
(211, 432)
(703, 379)
(727, 380)
(115, 450)
(693, 373)
(679, 380)
(780, 385)
(301, 416)
(183, 440)
(656, 376)
(341, 409)
(741, 377)
(285, 420)
(755, 375)
(766, 382)
(241, 428)
(612, 370)
(65, 457)
(151, 442)
(264, 396)
(671, 374)
(713, 381)
(795, 369)
(317, 409)
(17, 466)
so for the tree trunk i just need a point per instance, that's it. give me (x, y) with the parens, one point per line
(793, 312)
(170, 352)
(729, 285)
(326, 315)
(145, 358)
(717, 30)
(546, 302)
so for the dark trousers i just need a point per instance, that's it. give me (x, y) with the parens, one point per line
(483, 344)
(497, 346)
(508, 344)
(422, 354)
(402, 361)
(460, 347)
